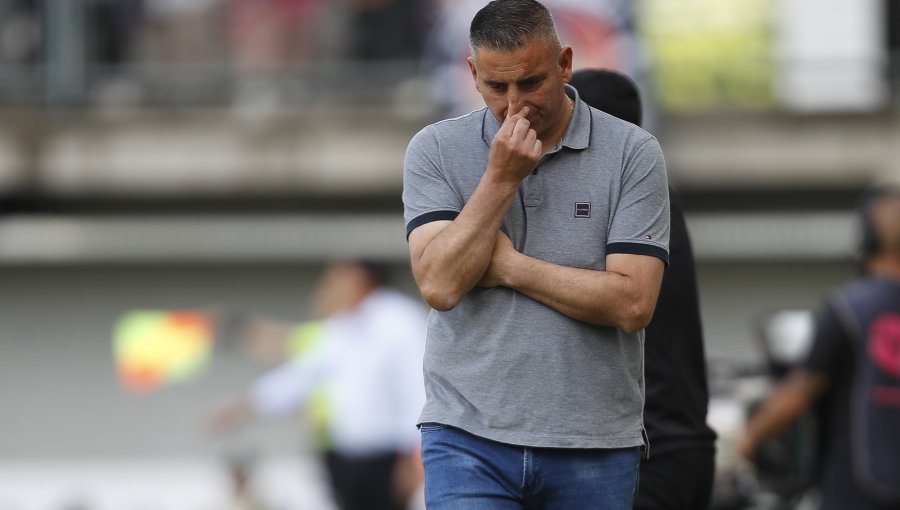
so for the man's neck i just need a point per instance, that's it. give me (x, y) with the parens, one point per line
(887, 266)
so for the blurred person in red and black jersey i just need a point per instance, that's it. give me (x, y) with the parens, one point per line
(850, 378)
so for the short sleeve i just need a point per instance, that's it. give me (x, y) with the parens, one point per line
(427, 194)
(830, 344)
(640, 221)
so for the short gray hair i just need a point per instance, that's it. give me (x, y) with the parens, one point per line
(510, 24)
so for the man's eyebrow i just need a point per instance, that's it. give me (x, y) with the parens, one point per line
(532, 79)
(524, 81)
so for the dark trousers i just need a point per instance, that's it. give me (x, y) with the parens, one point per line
(363, 482)
(678, 479)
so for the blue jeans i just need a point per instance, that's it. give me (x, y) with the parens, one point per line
(467, 472)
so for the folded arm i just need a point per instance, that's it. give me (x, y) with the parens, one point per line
(624, 295)
(449, 257)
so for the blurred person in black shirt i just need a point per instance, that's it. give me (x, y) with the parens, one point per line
(21, 32)
(114, 24)
(389, 29)
(679, 471)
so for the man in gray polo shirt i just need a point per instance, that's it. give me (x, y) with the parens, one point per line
(538, 231)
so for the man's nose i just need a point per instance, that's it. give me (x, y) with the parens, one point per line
(515, 102)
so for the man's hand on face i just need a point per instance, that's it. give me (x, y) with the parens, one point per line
(515, 149)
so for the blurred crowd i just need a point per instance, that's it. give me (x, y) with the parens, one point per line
(270, 33)
(262, 53)
(255, 42)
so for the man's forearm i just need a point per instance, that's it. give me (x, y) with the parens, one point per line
(791, 399)
(624, 300)
(455, 259)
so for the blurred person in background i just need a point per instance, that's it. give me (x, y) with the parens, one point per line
(534, 358)
(359, 371)
(112, 42)
(21, 32)
(851, 376)
(678, 475)
(389, 29)
(114, 25)
(180, 32)
(267, 38)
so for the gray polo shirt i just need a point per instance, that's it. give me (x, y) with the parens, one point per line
(501, 365)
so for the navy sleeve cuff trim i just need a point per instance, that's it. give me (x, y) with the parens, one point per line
(428, 218)
(639, 249)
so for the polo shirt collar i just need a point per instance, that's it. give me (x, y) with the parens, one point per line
(576, 136)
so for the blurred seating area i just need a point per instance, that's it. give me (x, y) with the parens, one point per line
(170, 53)
(117, 116)
(224, 99)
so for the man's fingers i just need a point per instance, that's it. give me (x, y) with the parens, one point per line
(510, 122)
(513, 120)
(516, 138)
(521, 111)
(521, 129)
(537, 149)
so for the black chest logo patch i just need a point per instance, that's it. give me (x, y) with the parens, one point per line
(582, 209)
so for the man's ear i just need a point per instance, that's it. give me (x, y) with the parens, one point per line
(471, 61)
(566, 57)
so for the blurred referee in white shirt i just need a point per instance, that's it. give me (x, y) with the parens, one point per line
(358, 372)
